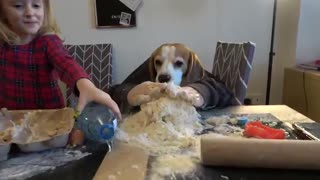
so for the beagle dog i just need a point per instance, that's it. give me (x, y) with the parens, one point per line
(172, 63)
(175, 63)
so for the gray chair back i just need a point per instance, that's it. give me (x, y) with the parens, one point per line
(96, 59)
(232, 65)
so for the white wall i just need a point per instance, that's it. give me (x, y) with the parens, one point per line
(287, 21)
(308, 47)
(248, 20)
(197, 23)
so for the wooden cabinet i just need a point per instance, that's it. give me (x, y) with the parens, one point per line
(301, 91)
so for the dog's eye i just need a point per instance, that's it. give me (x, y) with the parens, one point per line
(178, 64)
(158, 63)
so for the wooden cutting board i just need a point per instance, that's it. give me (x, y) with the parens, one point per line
(122, 163)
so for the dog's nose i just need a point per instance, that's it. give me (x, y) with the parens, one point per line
(164, 78)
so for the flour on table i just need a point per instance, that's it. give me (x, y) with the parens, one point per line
(162, 126)
(166, 127)
(171, 164)
(28, 165)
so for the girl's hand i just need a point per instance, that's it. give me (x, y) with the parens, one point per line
(89, 92)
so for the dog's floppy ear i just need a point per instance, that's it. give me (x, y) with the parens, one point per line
(195, 70)
(152, 70)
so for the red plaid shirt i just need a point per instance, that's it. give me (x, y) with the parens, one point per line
(29, 73)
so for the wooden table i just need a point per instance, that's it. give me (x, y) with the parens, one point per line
(127, 161)
(282, 112)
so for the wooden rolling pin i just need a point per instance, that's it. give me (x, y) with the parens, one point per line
(241, 152)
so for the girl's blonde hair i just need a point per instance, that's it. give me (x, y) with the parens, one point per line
(49, 26)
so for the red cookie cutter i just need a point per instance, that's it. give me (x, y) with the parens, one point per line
(258, 130)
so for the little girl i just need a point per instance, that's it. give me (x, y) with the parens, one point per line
(33, 58)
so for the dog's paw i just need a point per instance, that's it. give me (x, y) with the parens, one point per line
(172, 90)
(178, 92)
(181, 94)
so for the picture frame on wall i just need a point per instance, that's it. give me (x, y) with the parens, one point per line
(113, 14)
